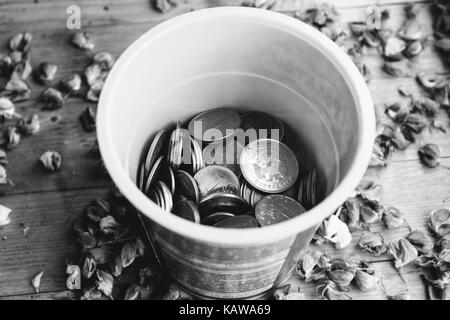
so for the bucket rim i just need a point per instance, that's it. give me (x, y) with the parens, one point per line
(243, 237)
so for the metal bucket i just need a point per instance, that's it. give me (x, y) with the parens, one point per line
(255, 60)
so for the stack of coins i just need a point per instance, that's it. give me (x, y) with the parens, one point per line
(226, 170)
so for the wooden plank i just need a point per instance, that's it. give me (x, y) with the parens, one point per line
(49, 241)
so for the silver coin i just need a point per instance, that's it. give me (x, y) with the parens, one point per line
(152, 176)
(269, 165)
(156, 149)
(197, 157)
(227, 154)
(222, 120)
(215, 217)
(167, 176)
(307, 189)
(255, 197)
(215, 178)
(186, 209)
(238, 222)
(176, 144)
(186, 186)
(165, 194)
(223, 202)
(277, 208)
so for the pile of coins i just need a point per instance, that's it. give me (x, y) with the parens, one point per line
(226, 170)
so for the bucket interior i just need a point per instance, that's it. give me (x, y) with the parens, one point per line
(246, 64)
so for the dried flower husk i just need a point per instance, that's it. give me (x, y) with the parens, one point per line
(427, 261)
(442, 281)
(71, 83)
(428, 81)
(128, 253)
(3, 175)
(444, 256)
(331, 291)
(87, 240)
(367, 280)
(94, 73)
(89, 266)
(311, 267)
(91, 293)
(133, 292)
(415, 122)
(164, 6)
(441, 93)
(421, 241)
(426, 106)
(4, 215)
(87, 119)
(30, 125)
(396, 69)
(341, 277)
(12, 137)
(411, 30)
(444, 242)
(337, 232)
(94, 91)
(22, 69)
(357, 28)
(51, 160)
(16, 57)
(403, 252)
(350, 213)
(369, 215)
(372, 242)
(108, 224)
(115, 265)
(393, 218)
(97, 209)
(281, 292)
(399, 140)
(393, 48)
(402, 90)
(105, 282)
(73, 281)
(6, 65)
(355, 54)
(414, 49)
(3, 158)
(173, 293)
(36, 281)
(104, 59)
(45, 73)
(101, 255)
(52, 99)
(7, 108)
(82, 40)
(429, 155)
(20, 42)
(379, 156)
(17, 89)
(440, 221)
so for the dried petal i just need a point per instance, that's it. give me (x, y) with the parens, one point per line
(45, 73)
(17, 89)
(393, 218)
(396, 69)
(91, 293)
(429, 155)
(367, 280)
(73, 281)
(403, 252)
(115, 266)
(337, 232)
(440, 221)
(172, 293)
(71, 83)
(331, 292)
(7, 108)
(4, 215)
(52, 99)
(393, 48)
(280, 293)
(104, 59)
(94, 91)
(372, 242)
(30, 125)
(89, 266)
(51, 160)
(87, 119)
(105, 282)
(101, 255)
(12, 137)
(421, 241)
(442, 281)
(82, 40)
(36, 281)
(20, 42)
(87, 240)
(444, 242)
(415, 122)
(128, 253)
(108, 224)
(133, 292)
(94, 73)
(350, 213)
(369, 215)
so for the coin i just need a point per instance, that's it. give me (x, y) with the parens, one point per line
(186, 186)
(269, 165)
(277, 208)
(197, 156)
(256, 120)
(222, 120)
(215, 178)
(223, 202)
(165, 194)
(238, 222)
(307, 189)
(227, 154)
(152, 176)
(167, 176)
(215, 217)
(156, 149)
(255, 197)
(186, 209)
(176, 142)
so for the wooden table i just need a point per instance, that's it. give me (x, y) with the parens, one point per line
(48, 203)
